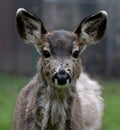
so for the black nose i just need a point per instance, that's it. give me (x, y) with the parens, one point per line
(61, 78)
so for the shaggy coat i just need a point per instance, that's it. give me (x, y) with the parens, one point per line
(60, 96)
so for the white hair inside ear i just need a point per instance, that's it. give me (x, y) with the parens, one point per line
(92, 28)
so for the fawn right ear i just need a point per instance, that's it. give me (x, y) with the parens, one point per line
(29, 26)
(92, 28)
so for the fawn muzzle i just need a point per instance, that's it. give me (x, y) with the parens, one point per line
(61, 78)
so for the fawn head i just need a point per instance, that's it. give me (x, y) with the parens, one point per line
(60, 50)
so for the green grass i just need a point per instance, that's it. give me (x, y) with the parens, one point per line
(111, 94)
(11, 85)
(9, 88)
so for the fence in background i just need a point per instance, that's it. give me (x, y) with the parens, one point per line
(18, 58)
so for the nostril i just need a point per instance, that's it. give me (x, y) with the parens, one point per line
(62, 72)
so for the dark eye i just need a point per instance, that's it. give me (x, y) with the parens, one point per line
(46, 54)
(76, 54)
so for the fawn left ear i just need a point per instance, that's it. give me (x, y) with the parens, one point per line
(92, 28)
(29, 26)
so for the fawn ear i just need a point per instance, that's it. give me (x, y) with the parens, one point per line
(29, 26)
(92, 28)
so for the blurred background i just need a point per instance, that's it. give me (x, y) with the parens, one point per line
(18, 60)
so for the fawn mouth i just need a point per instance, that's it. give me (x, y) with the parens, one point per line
(61, 82)
(61, 79)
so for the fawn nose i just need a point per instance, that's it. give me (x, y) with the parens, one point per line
(61, 78)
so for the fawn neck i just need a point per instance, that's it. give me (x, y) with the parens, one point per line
(54, 107)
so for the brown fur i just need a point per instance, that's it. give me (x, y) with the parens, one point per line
(45, 104)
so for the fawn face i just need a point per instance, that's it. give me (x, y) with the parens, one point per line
(60, 50)
(60, 58)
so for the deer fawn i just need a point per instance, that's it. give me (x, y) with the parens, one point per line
(60, 96)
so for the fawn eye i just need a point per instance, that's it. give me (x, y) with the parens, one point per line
(46, 54)
(75, 54)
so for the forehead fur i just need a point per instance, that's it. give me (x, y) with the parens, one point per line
(61, 42)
